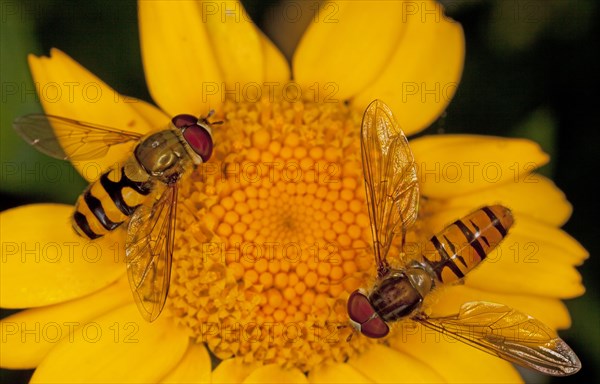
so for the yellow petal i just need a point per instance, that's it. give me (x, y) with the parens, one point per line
(423, 73)
(549, 311)
(28, 336)
(193, 368)
(530, 274)
(276, 67)
(119, 347)
(235, 41)
(529, 240)
(44, 262)
(553, 244)
(340, 58)
(386, 365)
(155, 118)
(273, 373)
(336, 373)
(232, 371)
(182, 71)
(69, 90)
(526, 266)
(452, 165)
(247, 58)
(530, 195)
(454, 361)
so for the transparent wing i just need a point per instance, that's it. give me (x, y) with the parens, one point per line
(509, 334)
(69, 139)
(390, 178)
(149, 252)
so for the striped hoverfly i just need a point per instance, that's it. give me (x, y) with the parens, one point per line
(140, 192)
(393, 196)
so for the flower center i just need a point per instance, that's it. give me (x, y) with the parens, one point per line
(273, 234)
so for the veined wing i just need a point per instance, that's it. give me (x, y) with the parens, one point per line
(149, 252)
(69, 139)
(390, 178)
(509, 334)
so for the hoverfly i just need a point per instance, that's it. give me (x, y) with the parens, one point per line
(141, 192)
(392, 196)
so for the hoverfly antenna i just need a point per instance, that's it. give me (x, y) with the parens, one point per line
(352, 331)
(340, 281)
(191, 211)
(208, 116)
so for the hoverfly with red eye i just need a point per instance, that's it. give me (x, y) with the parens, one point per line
(392, 196)
(141, 192)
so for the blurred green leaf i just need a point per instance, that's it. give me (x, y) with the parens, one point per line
(586, 317)
(24, 171)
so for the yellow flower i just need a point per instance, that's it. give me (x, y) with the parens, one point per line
(273, 232)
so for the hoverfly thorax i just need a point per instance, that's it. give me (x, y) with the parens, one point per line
(161, 154)
(397, 295)
(394, 297)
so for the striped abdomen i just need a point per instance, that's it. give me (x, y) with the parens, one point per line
(461, 246)
(108, 203)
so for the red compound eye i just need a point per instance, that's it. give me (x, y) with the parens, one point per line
(200, 140)
(196, 135)
(184, 121)
(361, 311)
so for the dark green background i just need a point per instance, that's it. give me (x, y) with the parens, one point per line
(531, 71)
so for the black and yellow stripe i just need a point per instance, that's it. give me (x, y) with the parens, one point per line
(108, 203)
(461, 246)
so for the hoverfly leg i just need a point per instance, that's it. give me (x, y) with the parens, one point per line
(383, 268)
(352, 331)
(354, 275)
(402, 250)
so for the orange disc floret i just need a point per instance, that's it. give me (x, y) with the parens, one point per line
(284, 217)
